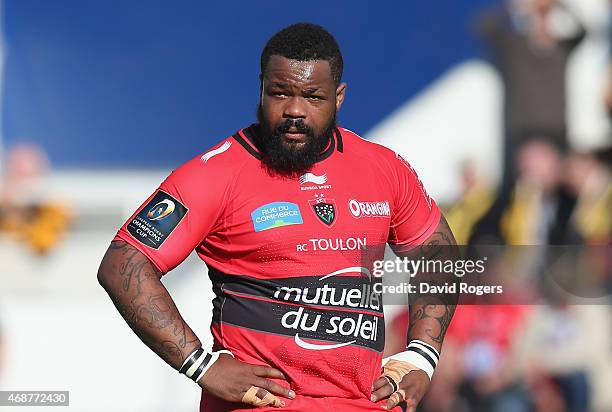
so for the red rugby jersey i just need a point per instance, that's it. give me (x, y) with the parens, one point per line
(291, 260)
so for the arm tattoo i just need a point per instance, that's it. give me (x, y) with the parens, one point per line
(135, 288)
(430, 315)
(430, 320)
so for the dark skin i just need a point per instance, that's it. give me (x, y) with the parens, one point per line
(293, 89)
(290, 89)
(430, 317)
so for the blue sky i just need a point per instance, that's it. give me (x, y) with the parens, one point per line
(151, 84)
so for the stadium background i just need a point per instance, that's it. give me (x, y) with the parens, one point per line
(117, 94)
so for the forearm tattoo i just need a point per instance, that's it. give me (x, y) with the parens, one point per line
(431, 315)
(134, 286)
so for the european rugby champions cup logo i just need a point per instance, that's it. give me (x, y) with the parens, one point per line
(161, 210)
(324, 209)
(157, 220)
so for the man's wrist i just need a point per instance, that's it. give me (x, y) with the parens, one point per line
(420, 354)
(199, 362)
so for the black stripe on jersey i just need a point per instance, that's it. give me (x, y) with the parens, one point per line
(332, 292)
(331, 327)
(339, 139)
(330, 149)
(247, 146)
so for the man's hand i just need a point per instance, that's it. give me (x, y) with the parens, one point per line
(411, 389)
(231, 379)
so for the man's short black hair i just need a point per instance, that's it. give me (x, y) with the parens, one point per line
(305, 42)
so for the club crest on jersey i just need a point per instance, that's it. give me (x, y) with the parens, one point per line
(324, 209)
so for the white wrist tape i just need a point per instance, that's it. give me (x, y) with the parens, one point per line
(420, 354)
(198, 362)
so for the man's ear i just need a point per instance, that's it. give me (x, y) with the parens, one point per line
(340, 94)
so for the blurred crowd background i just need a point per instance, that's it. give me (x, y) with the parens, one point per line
(503, 107)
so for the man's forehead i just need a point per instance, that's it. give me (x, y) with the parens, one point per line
(280, 68)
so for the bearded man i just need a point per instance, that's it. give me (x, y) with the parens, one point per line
(289, 215)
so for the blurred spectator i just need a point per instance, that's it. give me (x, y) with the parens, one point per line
(590, 178)
(537, 208)
(27, 214)
(476, 198)
(530, 42)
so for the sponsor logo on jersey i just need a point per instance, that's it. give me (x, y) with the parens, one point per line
(360, 328)
(369, 209)
(318, 181)
(319, 346)
(211, 153)
(354, 269)
(326, 311)
(276, 214)
(335, 326)
(156, 221)
(324, 209)
(312, 178)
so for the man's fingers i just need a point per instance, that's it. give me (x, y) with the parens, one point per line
(409, 394)
(261, 393)
(379, 383)
(267, 372)
(395, 399)
(274, 388)
(260, 397)
(384, 389)
(411, 405)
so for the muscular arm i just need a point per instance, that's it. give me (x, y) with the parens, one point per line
(133, 283)
(430, 315)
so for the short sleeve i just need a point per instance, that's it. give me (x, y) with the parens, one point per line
(415, 215)
(179, 215)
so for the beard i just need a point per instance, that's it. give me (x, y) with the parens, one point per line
(288, 159)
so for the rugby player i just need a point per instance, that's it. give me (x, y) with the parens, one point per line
(288, 214)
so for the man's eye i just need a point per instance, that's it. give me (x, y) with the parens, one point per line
(279, 94)
(314, 97)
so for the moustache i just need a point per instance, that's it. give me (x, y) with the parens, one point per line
(297, 125)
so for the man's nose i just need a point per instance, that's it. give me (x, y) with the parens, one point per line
(295, 108)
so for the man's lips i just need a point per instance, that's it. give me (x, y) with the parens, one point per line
(295, 135)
